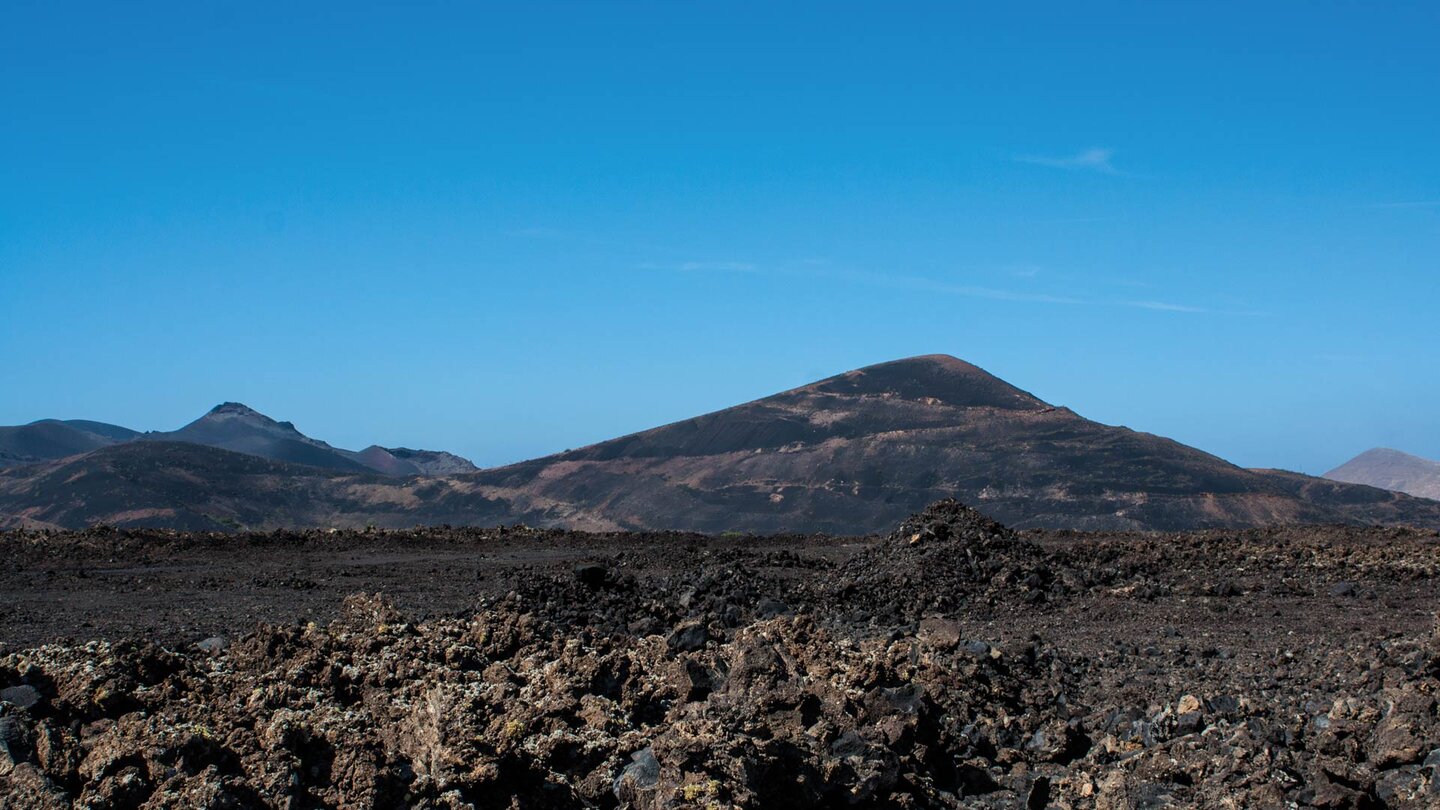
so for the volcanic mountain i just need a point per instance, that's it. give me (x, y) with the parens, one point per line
(232, 426)
(228, 426)
(55, 438)
(1391, 469)
(850, 454)
(859, 451)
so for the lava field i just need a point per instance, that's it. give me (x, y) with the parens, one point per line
(950, 663)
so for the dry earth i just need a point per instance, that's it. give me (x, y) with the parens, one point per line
(950, 663)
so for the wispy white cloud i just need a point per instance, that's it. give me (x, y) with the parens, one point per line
(1162, 306)
(1094, 159)
(921, 284)
(934, 286)
(723, 267)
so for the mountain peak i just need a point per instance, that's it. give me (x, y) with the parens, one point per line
(1393, 470)
(939, 377)
(236, 410)
(233, 408)
(1390, 453)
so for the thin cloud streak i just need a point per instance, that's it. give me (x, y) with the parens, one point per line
(1163, 306)
(930, 285)
(1094, 159)
(921, 284)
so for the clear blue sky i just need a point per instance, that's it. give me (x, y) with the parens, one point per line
(509, 229)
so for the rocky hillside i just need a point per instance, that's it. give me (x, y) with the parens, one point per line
(192, 487)
(860, 450)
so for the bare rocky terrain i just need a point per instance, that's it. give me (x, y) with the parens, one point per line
(950, 662)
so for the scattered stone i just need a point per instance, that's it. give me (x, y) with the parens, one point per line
(688, 637)
(1224, 704)
(592, 575)
(978, 649)
(770, 608)
(14, 739)
(23, 696)
(642, 773)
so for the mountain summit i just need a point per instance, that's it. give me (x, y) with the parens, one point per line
(1391, 469)
(940, 377)
(237, 427)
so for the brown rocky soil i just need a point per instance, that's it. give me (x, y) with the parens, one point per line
(949, 663)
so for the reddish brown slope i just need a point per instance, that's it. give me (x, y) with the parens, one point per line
(858, 451)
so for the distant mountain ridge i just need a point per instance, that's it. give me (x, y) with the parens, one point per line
(1393, 470)
(49, 439)
(233, 426)
(850, 454)
(228, 426)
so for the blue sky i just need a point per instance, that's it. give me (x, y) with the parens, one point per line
(509, 229)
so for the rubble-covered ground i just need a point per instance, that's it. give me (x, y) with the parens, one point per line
(951, 663)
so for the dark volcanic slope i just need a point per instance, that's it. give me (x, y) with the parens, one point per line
(860, 450)
(161, 484)
(229, 426)
(1391, 469)
(232, 426)
(186, 486)
(49, 439)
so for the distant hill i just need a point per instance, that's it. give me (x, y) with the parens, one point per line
(1393, 470)
(850, 454)
(402, 461)
(50, 439)
(193, 487)
(232, 426)
(228, 426)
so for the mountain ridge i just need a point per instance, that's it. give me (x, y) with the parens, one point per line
(849, 454)
(229, 426)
